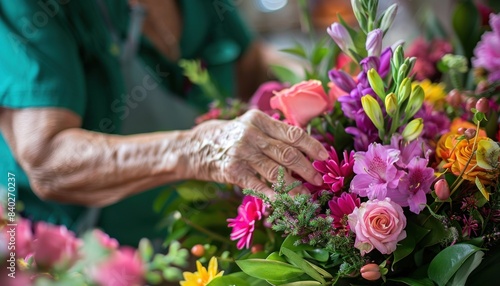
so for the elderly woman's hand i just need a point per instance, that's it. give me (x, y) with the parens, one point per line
(239, 150)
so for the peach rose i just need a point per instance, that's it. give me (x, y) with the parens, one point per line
(378, 224)
(302, 102)
(456, 153)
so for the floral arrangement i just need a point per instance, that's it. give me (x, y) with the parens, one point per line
(46, 254)
(411, 189)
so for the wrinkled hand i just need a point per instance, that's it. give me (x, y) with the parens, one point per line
(239, 150)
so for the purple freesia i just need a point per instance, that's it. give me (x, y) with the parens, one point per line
(376, 173)
(341, 37)
(436, 123)
(342, 80)
(486, 53)
(374, 42)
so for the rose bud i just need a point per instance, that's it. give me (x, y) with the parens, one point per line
(482, 105)
(257, 248)
(454, 98)
(461, 130)
(442, 189)
(370, 272)
(470, 103)
(470, 133)
(198, 250)
(482, 86)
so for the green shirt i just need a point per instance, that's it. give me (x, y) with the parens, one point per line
(61, 53)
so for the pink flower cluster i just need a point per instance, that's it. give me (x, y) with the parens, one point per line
(250, 211)
(55, 248)
(428, 54)
(486, 53)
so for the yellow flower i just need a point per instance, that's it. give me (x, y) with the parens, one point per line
(203, 276)
(488, 154)
(435, 93)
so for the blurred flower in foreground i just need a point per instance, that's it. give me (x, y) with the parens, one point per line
(203, 276)
(123, 268)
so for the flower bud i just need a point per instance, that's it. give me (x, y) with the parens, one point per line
(470, 103)
(373, 110)
(413, 129)
(482, 86)
(470, 133)
(198, 250)
(461, 130)
(391, 104)
(402, 72)
(398, 56)
(342, 80)
(454, 98)
(376, 83)
(256, 248)
(442, 189)
(415, 102)
(404, 90)
(388, 17)
(483, 105)
(374, 43)
(341, 36)
(370, 272)
(456, 62)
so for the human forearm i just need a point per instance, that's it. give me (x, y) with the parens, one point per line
(92, 168)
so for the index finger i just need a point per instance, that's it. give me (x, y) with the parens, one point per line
(291, 135)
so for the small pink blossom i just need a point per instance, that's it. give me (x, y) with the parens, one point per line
(105, 240)
(250, 211)
(123, 268)
(261, 99)
(378, 224)
(55, 246)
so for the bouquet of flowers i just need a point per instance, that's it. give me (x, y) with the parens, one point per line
(411, 189)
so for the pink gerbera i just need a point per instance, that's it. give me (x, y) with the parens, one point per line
(341, 207)
(250, 211)
(335, 171)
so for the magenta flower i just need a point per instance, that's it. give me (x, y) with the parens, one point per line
(486, 53)
(123, 268)
(250, 211)
(261, 99)
(376, 173)
(55, 246)
(341, 207)
(414, 186)
(335, 171)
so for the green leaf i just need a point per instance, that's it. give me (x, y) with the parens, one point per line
(302, 283)
(269, 270)
(405, 247)
(289, 243)
(487, 270)
(228, 280)
(145, 249)
(298, 50)
(318, 54)
(275, 256)
(413, 281)
(318, 254)
(302, 264)
(437, 231)
(194, 190)
(466, 23)
(320, 270)
(284, 74)
(447, 262)
(466, 269)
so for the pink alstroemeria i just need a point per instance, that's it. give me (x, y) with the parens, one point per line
(376, 173)
(123, 268)
(250, 211)
(335, 171)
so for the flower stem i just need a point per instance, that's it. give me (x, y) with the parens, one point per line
(211, 234)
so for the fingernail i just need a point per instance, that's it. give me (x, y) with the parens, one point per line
(323, 155)
(318, 180)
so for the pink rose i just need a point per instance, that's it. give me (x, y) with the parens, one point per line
(379, 224)
(24, 238)
(261, 99)
(55, 246)
(123, 268)
(302, 102)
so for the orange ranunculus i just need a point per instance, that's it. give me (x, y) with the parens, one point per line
(302, 102)
(456, 153)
